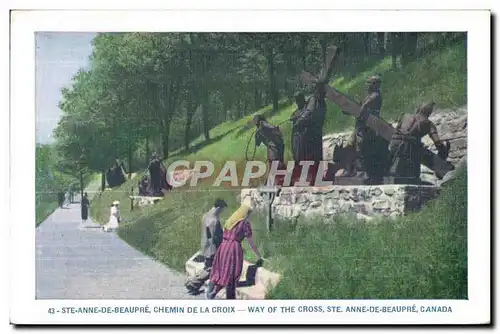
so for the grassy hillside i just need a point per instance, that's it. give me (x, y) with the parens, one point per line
(364, 259)
(421, 256)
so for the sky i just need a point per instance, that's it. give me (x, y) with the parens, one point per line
(59, 56)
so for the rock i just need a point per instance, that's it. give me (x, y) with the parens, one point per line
(458, 124)
(389, 191)
(360, 208)
(429, 178)
(352, 200)
(458, 144)
(394, 214)
(361, 216)
(376, 192)
(452, 174)
(344, 194)
(316, 204)
(381, 205)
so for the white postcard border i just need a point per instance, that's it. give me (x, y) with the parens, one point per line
(25, 309)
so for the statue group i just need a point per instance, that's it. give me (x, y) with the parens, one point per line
(116, 174)
(156, 182)
(376, 149)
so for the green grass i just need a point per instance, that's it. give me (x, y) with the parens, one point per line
(420, 256)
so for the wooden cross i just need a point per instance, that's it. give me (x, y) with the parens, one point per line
(321, 82)
(353, 108)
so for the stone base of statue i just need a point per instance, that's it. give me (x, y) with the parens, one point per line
(350, 199)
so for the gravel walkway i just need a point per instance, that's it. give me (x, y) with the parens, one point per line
(86, 263)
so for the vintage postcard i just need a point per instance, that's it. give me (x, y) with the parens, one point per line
(232, 167)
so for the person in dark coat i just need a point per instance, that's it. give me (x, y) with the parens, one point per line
(60, 198)
(85, 208)
(271, 137)
(211, 238)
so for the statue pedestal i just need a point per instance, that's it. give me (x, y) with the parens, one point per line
(359, 201)
(253, 284)
(141, 201)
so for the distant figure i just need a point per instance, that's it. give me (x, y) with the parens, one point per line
(66, 198)
(211, 238)
(60, 198)
(85, 208)
(144, 186)
(114, 217)
(228, 260)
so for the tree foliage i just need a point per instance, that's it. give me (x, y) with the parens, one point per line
(158, 91)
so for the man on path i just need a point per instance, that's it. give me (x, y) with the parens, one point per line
(211, 238)
(60, 198)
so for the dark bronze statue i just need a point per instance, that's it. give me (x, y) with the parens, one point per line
(406, 146)
(271, 137)
(157, 181)
(116, 174)
(372, 148)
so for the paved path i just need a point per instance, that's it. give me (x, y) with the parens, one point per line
(74, 263)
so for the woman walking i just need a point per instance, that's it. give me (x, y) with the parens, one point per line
(114, 217)
(85, 208)
(228, 260)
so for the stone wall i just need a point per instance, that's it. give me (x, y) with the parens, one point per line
(451, 125)
(359, 201)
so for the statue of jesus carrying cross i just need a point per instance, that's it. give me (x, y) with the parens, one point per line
(308, 121)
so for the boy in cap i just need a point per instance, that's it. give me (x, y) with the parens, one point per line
(211, 238)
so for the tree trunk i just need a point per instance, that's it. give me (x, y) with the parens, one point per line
(191, 109)
(367, 44)
(168, 106)
(189, 119)
(381, 43)
(303, 50)
(206, 120)
(409, 47)
(257, 99)
(165, 134)
(103, 181)
(289, 83)
(146, 161)
(272, 80)
(394, 49)
(323, 48)
(129, 148)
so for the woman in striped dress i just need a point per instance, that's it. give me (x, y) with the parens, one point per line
(228, 260)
